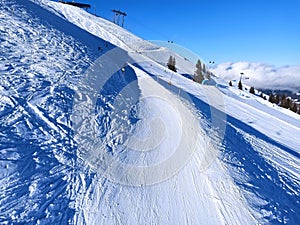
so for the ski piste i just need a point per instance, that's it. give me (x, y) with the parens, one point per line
(240, 163)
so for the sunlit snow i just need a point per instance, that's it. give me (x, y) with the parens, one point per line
(96, 130)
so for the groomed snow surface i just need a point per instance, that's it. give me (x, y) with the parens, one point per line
(96, 130)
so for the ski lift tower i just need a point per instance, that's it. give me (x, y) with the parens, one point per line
(117, 14)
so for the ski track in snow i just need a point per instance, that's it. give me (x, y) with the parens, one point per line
(257, 164)
(253, 179)
(171, 201)
(37, 154)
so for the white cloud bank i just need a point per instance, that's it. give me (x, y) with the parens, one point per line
(261, 75)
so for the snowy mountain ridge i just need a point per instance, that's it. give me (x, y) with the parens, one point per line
(171, 151)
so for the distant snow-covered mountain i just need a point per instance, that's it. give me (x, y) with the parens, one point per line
(261, 76)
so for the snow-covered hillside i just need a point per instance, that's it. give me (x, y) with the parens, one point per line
(96, 130)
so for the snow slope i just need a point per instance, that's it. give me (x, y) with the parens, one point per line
(62, 88)
(119, 36)
(171, 200)
(257, 157)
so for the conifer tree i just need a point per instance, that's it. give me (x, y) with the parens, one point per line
(198, 77)
(283, 97)
(170, 60)
(208, 75)
(172, 64)
(271, 98)
(240, 86)
(252, 91)
(277, 99)
(293, 107)
(199, 65)
(204, 68)
(285, 102)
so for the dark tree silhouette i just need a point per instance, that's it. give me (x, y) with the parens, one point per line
(271, 98)
(198, 77)
(240, 86)
(294, 107)
(277, 99)
(285, 102)
(172, 64)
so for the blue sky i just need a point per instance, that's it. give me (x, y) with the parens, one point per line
(266, 31)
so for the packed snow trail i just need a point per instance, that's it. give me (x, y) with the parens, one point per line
(259, 165)
(199, 192)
